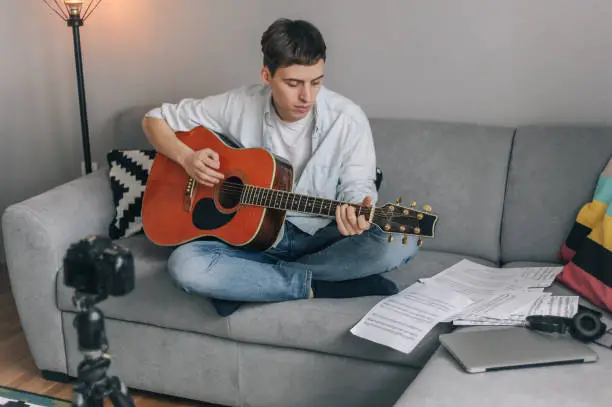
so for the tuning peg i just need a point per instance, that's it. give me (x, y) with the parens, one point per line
(398, 200)
(390, 237)
(420, 216)
(416, 230)
(427, 208)
(412, 204)
(405, 239)
(420, 242)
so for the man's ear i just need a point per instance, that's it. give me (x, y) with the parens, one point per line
(266, 75)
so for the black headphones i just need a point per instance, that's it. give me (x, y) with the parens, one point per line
(585, 326)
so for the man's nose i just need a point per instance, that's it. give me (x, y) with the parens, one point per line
(306, 94)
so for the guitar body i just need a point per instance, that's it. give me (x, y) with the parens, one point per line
(177, 210)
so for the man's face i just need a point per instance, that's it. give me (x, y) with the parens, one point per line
(294, 89)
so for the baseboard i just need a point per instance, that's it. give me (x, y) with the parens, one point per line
(56, 376)
(4, 279)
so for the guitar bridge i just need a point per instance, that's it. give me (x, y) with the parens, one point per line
(189, 192)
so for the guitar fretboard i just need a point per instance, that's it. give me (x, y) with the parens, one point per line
(272, 198)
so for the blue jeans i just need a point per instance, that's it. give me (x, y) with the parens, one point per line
(215, 269)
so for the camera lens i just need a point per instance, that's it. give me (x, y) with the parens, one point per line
(122, 280)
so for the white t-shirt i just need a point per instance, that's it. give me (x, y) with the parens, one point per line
(293, 140)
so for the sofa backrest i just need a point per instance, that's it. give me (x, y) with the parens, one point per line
(553, 172)
(127, 129)
(458, 169)
(501, 194)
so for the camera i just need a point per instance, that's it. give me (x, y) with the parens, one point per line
(97, 266)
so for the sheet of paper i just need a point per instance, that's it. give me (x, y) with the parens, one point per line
(504, 322)
(475, 287)
(555, 305)
(401, 321)
(478, 281)
(500, 305)
(559, 306)
(530, 276)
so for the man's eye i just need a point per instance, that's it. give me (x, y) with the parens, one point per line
(316, 83)
(293, 85)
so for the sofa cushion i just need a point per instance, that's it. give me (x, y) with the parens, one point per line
(443, 383)
(553, 172)
(155, 300)
(127, 132)
(318, 325)
(458, 169)
(324, 324)
(582, 385)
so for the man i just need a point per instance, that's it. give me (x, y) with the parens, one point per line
(328, 141)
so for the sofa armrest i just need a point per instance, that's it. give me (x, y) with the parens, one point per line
(37, 232)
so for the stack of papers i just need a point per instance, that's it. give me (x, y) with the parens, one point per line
(478, 281)
(504, 296)
(514, 308)
(466, 293)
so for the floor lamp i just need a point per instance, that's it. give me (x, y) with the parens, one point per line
(74, 13)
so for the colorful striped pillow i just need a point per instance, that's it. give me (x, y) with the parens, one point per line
(587, 251)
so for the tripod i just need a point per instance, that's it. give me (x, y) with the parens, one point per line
(93, 385)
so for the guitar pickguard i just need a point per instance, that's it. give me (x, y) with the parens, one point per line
(206, 216)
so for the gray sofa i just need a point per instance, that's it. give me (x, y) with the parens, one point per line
(504, 196)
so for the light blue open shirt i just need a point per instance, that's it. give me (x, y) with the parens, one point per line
(343, 161)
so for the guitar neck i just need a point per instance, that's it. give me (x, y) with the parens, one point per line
(276, 199)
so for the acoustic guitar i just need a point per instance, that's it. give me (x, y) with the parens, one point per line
(248, 207)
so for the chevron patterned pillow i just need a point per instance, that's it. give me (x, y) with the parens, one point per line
(129, 171)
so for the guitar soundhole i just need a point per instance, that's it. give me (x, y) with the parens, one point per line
(229, 192)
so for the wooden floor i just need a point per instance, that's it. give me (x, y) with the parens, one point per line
(17, 368)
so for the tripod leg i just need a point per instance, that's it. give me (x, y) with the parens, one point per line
(89, 390)
(83, 398)
(119, 394)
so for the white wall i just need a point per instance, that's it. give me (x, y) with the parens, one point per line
(507, 62)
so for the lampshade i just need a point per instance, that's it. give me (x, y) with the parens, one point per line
(73, 8)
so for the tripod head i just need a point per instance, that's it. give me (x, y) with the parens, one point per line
(89, 324)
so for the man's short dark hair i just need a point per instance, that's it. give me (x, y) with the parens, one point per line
(287, 42)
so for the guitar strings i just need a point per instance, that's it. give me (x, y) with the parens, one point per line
(237, 189)
(379, 215)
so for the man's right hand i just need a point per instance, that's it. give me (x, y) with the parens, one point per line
(202, 165)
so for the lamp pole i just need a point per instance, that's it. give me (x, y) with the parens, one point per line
(74, 13)
(75, 21)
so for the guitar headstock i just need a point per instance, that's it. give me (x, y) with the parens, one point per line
(407, 221)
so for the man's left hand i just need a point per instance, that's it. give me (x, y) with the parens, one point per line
(347, 220)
